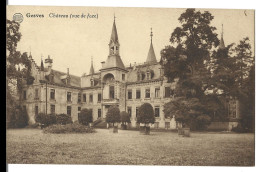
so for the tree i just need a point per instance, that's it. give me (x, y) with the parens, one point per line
(125, 118)
(146, 114)
(19, 117)
(17, 66)
(234, 76)
(189, 112)
(187, 60)
(45, 120)
(85, 116)
(113, 115)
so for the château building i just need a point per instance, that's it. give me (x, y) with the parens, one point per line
(127, 87)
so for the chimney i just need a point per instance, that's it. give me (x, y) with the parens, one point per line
(68, 71)
(48, 62)
(134, 67)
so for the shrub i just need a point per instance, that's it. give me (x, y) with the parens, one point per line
(125, 118)
(68, 128)
(46, 120)
(19, 117)
(113, 115)
(63, 119)
(146, 114)
(238, 129)
(85, 116)
(35, 125)
(203, 121)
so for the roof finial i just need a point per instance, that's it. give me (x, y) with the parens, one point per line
(151, 35)
(222, 30)
(114, 17)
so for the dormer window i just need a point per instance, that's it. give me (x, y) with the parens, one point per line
(92, 82)
(143, 76)
(68, 81)
(148, 75)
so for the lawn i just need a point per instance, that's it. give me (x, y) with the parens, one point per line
(32, 146)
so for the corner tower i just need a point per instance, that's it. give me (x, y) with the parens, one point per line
(114, 60)
(113, 75)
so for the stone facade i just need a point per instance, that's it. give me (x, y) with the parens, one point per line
(114, 84)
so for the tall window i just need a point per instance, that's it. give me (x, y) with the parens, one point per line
(24, 95)
(147, 93)
(79, 97)
(92, 82)
(36, 110)
(91, 98)
(52, 94)
(148, 75)
(167, 125)
(69, 110)
(69, 96)
(99, 113)
(84, 98)
(52, 109)
(129, 92)
(232, 109)
(138, 94)
(111, 92)
(123, 77)
(157, 112)
(79, 109)
(99, 97)
(36, 93)
(167, 91)
(129, 110)
(157, 92)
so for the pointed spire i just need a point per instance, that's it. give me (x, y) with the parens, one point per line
(151, 35)
(91, 71)
(42, 66)
(151, 55)
(114, 36)
(222, 44)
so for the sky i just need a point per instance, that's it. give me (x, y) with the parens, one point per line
(72, 42)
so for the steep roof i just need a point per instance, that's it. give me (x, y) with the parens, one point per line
(114, 36)
(151, 55)
(58, 76)
(133, 73)
(114, 61)
(91, 71)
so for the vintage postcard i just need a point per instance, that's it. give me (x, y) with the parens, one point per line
(130, 86)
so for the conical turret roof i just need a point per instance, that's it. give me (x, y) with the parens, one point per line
(91, 71)
(151, 55)
(114, 36)
(222, 44)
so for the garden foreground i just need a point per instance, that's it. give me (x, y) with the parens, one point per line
(32, 146)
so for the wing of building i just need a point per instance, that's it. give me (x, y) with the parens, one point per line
(127, 87)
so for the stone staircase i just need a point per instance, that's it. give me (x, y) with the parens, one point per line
(100, 123)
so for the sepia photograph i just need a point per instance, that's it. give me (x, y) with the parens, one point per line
(130, 86)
